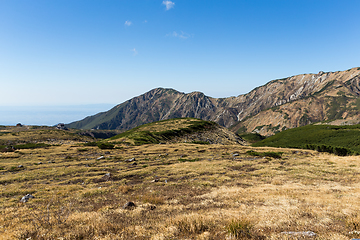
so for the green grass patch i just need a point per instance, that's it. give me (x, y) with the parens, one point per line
(93, 144)
(340, 140)
(265, 154)
(31, 146)
(104, 145)
(240, 229)
(82, 149)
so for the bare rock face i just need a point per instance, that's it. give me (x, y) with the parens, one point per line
(322, 97)
(278, 105)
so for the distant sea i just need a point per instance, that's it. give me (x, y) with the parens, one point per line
(48, 115)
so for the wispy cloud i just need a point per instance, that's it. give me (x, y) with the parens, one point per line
(168, 4)
(135, 52)
(128, 23)
(181, 34)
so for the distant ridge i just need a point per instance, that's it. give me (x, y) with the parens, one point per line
(278, 105)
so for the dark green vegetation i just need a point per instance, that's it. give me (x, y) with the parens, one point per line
(200, 142)
(106, 146)
(31, 146)
(265, 154)
(340, 140)
(252, 137)
(140, 135)
(4, 148)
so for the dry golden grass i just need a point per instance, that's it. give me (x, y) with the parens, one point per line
(208, 194)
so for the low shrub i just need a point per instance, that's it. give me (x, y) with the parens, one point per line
(31, 146)
(200, 142)
(340, 151)
(105, 146)
(265, 154)
(93, 144)
(273, 154)
(240, 228)
(82, 149)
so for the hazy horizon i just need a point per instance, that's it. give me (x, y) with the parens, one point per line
(48, 115)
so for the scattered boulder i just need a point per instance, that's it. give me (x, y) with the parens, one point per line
(20, 166)
(301, 234)
(26, 198)
(134, 163)
(155, 180)
(104, 178)
(236, 154)
(130, 160)
(129, 205)
(99, 158)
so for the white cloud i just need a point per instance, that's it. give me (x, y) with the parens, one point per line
(168, 4)
(128, 23)
(182, 35)
(135, 52)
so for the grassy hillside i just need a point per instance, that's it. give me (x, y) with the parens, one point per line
(180, 190)
(178, 130)
(341, 140)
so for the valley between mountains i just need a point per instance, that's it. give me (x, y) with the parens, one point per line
(278, 105)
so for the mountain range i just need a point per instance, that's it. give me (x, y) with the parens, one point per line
(278, 105)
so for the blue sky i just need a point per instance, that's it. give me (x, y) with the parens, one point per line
(73, 52)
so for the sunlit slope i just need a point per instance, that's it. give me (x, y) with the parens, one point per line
(179, 130)
(278, 105)
(341, 140)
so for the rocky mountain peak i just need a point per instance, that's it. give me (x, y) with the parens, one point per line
(281, 103)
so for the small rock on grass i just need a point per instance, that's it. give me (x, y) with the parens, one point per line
(26, 198)
(304, 234)
(129, 205)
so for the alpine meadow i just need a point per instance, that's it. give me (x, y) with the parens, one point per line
(179, 120)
